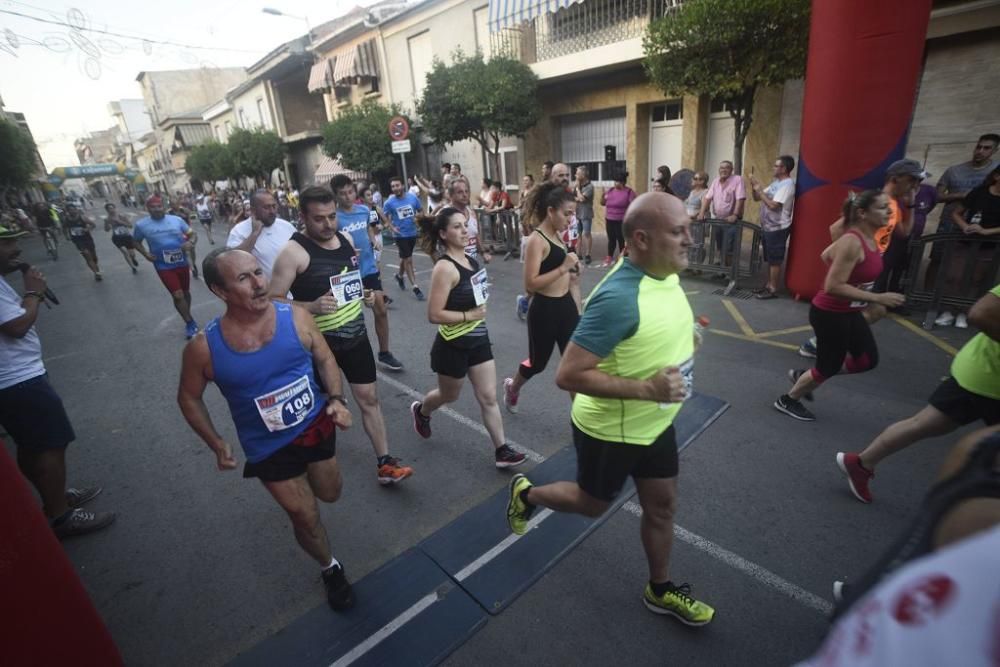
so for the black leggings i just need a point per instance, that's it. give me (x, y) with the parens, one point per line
(615, 236)
(842, 340)
(551, 321)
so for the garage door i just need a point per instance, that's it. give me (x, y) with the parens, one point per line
(584, 136)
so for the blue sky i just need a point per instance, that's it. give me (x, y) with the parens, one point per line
(62, 78)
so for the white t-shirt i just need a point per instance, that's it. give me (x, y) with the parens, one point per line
(20, 358)
(270, 242)
(942, 609)
(782, 192)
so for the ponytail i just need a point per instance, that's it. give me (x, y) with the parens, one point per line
(540, 199)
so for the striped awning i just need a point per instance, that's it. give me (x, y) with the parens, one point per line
(321, 76)
(507, 13)
(358, 61)
(330, 167)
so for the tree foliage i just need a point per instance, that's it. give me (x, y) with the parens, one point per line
(481, 100)
(203, 162)
(255, 153)
(359, 136)
(17, 164)
(728, 49)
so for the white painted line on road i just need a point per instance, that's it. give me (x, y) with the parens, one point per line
(502, 546)
(737, 562)
(530, 454)
(386, 630)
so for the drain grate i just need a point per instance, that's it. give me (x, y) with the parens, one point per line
(737, 293)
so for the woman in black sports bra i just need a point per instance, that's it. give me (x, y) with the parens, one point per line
(548, 265)
(457, 304)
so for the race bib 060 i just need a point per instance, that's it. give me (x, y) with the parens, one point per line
(480, 286)
(175, 256)
(347, 287)
(286, 407)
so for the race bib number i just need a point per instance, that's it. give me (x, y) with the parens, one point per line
(404, 212)
(687, 374)
(77, 231)
(480, 286)
(347, 287)
(121, 231)
(471, 248)
(286, 407)
(373, 217)
(175, 256)
(573, 232)
(866, 287)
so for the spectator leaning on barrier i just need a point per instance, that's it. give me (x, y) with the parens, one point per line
(725, 200)
(777, 201)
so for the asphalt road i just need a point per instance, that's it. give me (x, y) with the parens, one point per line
(202, 565)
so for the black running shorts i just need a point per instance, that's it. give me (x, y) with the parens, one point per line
(602, 467)
(962, 406)
(406, 246)
(455, 361)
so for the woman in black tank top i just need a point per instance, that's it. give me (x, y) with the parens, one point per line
(457, 304)
(548, 275)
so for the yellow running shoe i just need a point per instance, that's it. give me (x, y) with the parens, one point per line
(518, 511)
(677, 602)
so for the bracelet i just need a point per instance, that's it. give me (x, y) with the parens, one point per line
(337, 397)
(37, 295)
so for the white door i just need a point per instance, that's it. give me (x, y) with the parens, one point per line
(666, 130)
(720, 138)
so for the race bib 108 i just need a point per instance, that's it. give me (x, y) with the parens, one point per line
(286, 407)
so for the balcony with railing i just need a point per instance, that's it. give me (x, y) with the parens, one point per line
(580, 27)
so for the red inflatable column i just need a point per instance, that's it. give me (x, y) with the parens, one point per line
(861, 81)
(48, 617)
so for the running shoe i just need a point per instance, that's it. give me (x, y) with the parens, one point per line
(510, 396)
(507, 457)
(77, 497)
(518, 511)
(80, 522)
(677, 602)
(421, 424)
(808, 349)
(793, 375)
(961, 321)
(841, 589)
(98, 277)
(190, 329)
(945, 319)
(338, 590)
(399, 281)
(793, 408)
(522, 306)
(857, 475)
(390, 472)
(420, 295)
(387, 360)
(606, 263)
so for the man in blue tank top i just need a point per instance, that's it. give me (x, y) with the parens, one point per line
(355, 219)
(261, 355)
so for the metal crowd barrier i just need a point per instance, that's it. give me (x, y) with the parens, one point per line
(964, 267)
(500, 230)
(733, 249)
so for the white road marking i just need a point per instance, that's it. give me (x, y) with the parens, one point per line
(737, 562)
(386, 630)
(504, 544)
(530, 454)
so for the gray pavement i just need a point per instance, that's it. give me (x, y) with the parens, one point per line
(202, 565)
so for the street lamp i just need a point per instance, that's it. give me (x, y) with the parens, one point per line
(277, 12)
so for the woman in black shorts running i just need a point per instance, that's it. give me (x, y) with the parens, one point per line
(548, 266)
(843, 337)
(121, 234)
(462, 346)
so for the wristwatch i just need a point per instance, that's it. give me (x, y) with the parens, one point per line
(37, 295)
(337, 397)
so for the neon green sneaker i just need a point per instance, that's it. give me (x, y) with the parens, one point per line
(677, 602)
(518, 512)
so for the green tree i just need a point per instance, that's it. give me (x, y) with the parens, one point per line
(480, 100)
(202, 162)
(360, 137)
(256, 153)
(17, 164)
(728, 49)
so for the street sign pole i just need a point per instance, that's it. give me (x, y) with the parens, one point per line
(399, 130)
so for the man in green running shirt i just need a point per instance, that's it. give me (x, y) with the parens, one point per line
(630, 365)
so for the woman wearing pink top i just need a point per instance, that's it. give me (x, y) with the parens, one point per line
(844, 340)
(616, 201)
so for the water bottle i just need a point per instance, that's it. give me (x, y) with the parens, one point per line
(700, 326)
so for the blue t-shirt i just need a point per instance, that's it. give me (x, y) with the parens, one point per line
(165, 238)
(402, 211)
(355, 223)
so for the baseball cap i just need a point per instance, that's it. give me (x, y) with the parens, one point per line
(907, 168)
(7, 233)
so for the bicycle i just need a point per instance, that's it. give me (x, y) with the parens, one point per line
(51, 243)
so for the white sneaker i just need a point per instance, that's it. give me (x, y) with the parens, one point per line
(945, 319)
(961, 322)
